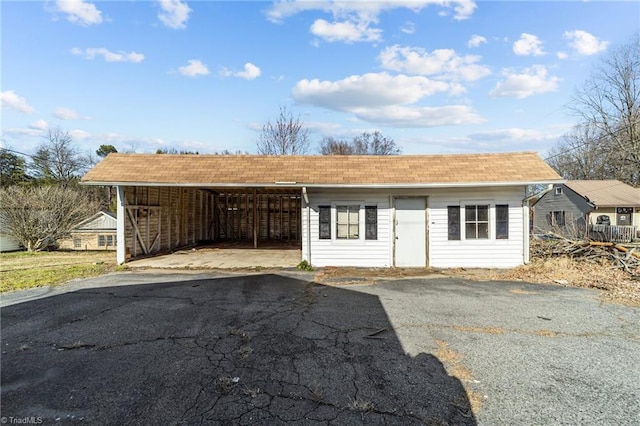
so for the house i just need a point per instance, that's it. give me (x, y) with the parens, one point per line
(7, 242)
(97, 232)
(370, 211)
(578, 207)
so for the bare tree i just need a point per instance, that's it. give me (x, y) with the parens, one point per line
(582, 153)
(609, 101)
(332, 146)
(287, 136)
(58, 159)
(39, 216)
(365, 144)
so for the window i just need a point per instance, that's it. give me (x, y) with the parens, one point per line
(371, 222)
(502, 222)
(347, 222)
(557, 218)
(453, 214)
(106, 241)
(77, 243)
(558, 190)
(476, 222)
(324, 218)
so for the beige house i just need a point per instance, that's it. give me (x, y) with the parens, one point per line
(95, 233)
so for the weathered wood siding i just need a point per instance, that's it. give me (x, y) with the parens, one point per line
(166, 218)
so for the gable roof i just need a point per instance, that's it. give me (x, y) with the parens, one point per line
(606, 193)
(327, 171)
(99, 221)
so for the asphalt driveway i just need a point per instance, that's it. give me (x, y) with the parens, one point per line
(205, 348)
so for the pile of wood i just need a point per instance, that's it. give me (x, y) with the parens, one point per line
(601, 253)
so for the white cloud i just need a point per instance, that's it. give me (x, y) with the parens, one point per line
(408, 28)
(528, 44)
(585, 43)
(79, 11)
(402, 116)
(40, 125)
(108, 55)
(194, 68)
(372, 90)
(385, 100)
(533, 81)
(562, 55)
(250, 72)
(353, 20)
(476, 40)
(174, 13)
(64, 113)
(366, 9)
(443, 63)
(346, 31)
(11, 100)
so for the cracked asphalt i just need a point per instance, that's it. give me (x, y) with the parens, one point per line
(207, 348)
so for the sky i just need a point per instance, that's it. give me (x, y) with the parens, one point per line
(436, 76)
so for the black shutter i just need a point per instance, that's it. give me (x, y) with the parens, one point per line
(371, 222)
(453, 214)
(502, 222)
(324, 220)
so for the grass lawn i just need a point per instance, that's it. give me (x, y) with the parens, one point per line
(22, 270)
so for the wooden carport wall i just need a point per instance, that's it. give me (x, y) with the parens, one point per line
(163, 218)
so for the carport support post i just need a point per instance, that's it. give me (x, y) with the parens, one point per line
(121, 250)
(255, 219)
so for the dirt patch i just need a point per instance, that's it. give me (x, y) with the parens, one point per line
(453, 363)
(616, 285)
(364, 276)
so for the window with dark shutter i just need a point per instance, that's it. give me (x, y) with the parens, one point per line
(324, 219)
(371, 222)
(502, 221)
(453, 214)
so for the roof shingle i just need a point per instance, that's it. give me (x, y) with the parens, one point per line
(254, 170)
(606, 193)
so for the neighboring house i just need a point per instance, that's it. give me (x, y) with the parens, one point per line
(95, 233)
(7, 243)
(577, 208)
(371, 211)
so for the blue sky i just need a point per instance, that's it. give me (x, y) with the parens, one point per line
(436, 76)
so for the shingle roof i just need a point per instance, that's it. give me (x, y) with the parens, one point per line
(606, 193)
(253, 170)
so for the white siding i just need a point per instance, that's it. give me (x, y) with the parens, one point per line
(8, 244)
(490, 253)
(360, 252)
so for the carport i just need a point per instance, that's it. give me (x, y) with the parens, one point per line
(162, 219)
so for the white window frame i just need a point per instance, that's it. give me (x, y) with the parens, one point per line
(492, 221)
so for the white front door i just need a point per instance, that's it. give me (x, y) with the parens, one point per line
(411, 247)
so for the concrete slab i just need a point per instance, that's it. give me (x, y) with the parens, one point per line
(223, 258)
